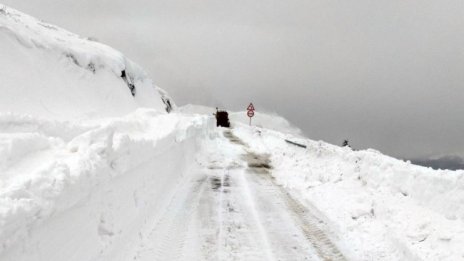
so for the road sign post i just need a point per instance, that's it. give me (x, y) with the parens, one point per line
(250, 111)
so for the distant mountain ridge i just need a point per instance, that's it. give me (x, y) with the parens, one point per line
(451, 162)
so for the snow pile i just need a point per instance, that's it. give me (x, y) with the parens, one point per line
(52, 73)
(380, 208)
(49, 183)
(197, 109)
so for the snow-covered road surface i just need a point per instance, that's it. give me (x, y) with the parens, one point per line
(229, 208)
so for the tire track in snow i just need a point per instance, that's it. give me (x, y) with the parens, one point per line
(286, 236)
(229, 213)
(256, 218)
(309, 224)
(166, 241)
(235, 234)
(259, 167)
(311, 227)
(220, 216)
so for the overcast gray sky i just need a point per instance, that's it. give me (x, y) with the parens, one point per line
(386, 74)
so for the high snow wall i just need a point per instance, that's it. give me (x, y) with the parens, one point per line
(82, 198)
(48, 72)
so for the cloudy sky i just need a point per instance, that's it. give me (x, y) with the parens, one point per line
(386, 74)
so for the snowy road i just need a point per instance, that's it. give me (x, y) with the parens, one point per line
(93, 169)
(229, 208)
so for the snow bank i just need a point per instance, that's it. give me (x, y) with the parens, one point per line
(123, 164)
(15, 146)
(197, 109)
(84, 138)
(51, 73)
(380, 208)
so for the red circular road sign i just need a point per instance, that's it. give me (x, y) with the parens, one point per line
(251, 113)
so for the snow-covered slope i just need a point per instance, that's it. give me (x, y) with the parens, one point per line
(378, 207)
(49, 72)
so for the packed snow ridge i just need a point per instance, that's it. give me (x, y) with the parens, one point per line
(93, 167)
